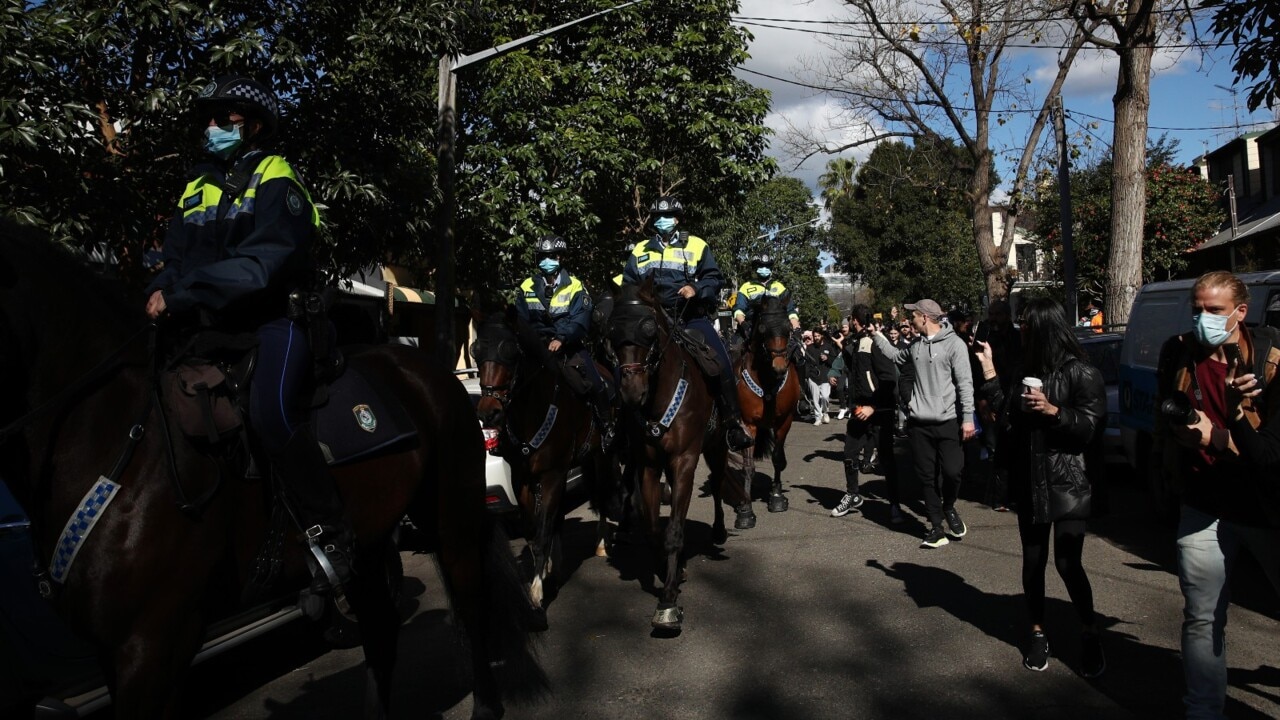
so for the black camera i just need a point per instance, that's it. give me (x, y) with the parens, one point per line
(1177, 409)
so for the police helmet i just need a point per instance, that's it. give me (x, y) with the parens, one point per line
(551, 245)
(762, 260)
(666, 205)
(244, 94)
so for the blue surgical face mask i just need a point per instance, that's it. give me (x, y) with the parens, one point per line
(1211, 330)
(764, 273)
(222, 141)
(548, 265)
(665, 224)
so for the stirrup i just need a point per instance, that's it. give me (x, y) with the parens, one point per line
(320, 553)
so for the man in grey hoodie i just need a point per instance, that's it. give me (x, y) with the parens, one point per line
(939, 414)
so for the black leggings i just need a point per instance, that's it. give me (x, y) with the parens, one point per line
(1068, 548)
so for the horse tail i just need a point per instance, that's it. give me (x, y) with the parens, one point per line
(506, 612)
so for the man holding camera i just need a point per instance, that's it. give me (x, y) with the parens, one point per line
(1222, 512)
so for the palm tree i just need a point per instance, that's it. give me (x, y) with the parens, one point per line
(837, 181)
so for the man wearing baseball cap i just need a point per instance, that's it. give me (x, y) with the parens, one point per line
(939, 414)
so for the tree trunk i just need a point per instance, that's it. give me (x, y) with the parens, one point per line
(992, 259)
(1128, 177)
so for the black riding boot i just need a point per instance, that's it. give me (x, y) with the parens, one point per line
(313, 493)
(731, 412)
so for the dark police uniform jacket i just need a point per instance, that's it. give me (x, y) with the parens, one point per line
(563, 314)
(686, 260)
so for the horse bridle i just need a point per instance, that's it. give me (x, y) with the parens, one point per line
(654, 356)
(762, 322)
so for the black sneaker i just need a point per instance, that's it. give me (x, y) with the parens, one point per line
(1037, 657)
(848, 503)
(955, 526)
(1093, 661)
(935, 539)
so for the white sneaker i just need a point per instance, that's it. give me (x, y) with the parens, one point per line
(826, 418)
(817, 421)
(843, 412)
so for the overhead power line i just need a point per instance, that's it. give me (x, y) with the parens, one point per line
(1013, 111)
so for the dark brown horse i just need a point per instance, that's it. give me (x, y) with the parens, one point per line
(669, 408)
(150, 578)
(545, 430)
(768, 390)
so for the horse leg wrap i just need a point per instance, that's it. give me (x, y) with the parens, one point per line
(668, 617)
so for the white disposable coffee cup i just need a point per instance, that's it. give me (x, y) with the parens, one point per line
(1029, 384)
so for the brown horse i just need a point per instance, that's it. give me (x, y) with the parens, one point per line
(670, 410)
(768, 390)
(150, 578)
(545, 430)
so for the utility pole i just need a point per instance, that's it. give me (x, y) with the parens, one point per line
(446, 133)
(1064, 209)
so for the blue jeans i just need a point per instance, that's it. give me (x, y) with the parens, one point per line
(1207, 551)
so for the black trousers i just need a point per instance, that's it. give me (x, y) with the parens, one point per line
(860, 436)
(938, 460)
(1068, 549)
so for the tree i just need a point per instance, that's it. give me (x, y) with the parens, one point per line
(838, 180)
(782, 210)
(1182, 211)
(1254, 28)
(903, 77)
(573, 135)
(579, 133)
(898, 232)
(1136, 29)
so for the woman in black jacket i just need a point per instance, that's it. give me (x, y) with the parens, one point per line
(1047, 434)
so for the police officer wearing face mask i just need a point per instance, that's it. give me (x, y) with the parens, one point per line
(557, 305)
(1225, 506)
(688, 283)
(754, 291)
(240, 243)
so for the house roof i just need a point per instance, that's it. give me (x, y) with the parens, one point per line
(1263, 218)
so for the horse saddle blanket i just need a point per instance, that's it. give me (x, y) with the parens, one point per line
(359, 417)
(696, 345)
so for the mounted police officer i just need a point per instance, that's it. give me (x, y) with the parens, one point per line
(557, 306)
(237, 259)
(753, 292)
(688, 281)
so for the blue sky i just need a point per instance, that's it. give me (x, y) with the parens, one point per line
(1185, 93)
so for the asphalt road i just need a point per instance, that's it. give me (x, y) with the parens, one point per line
(805, 616)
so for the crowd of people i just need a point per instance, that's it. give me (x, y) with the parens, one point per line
(957, 391)
(1023, 400)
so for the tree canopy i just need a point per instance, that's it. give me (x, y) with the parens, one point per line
(573, 135)
(782, 209)
(1254, 28)
(904, 231)
(1182, 211)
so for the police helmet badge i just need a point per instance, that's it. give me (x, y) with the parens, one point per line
(663, 205)
(365, 418)
(208, 90)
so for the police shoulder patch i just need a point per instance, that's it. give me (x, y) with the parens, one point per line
(190, 201)
(294, 201)
(642, 258)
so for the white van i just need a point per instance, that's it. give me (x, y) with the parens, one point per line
(1161, 311)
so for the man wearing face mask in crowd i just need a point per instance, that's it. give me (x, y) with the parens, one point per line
(1222, 509)
(688, 280)
(237, 254)
(557, 305)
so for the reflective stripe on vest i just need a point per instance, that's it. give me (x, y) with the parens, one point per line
(684, 259)
(559, 302)
(199, 203)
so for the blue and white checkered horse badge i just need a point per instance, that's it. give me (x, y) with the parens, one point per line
(79, 525)
(365, 418)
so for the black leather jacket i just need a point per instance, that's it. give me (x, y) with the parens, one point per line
(1040, 451)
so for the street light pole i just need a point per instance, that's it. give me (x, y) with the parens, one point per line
(446, 133)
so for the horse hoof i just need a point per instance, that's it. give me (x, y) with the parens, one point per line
(745, 520)
(719, 536)
(778, 503)
(668, 618)
(537, 620)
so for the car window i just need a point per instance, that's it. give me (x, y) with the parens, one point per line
(1105, 356)
(1156, 318)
